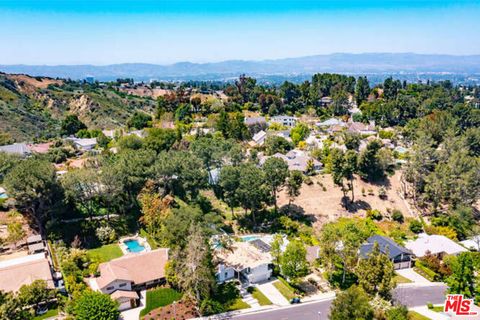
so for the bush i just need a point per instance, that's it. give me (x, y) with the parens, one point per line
(374, 214)
(209, 307)
(397, 215)
(415, 226)
(308, 181)
(382, 193)
(106, 234)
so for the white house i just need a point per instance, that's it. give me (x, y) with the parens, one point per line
(296, 160)
(84, 144)
(472, 243)
(259, 138)
(435, 244)
(121, 278)
(243, 261)
(287, 121)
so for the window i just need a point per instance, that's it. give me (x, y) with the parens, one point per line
(226, 274)
(122, 285)
(110, 288)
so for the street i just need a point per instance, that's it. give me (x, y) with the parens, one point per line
(410, 296)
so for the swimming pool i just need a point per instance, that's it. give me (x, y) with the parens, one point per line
(133, 245)
(250, 238)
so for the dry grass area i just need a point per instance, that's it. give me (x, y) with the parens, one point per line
(323, 199)
(39, 83)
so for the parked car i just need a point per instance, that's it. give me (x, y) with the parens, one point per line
(295, 300)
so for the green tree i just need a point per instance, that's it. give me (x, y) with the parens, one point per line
(35, 293)
(159, 139)
(139, 120)
(276, 172)
(397, 313)
(462, 280)
(33, 183)
(71, 125)
(96, 306)
(229, 182)
(369, 165)
(293, 262)
(375, 273)
(276, 249)
(344, 165)
(294, 184)
(299, 132)
(352, 303)
(7, 162)
(11, 308)
(362, 90)
(130, 142)
(274, 144)
(252, 191)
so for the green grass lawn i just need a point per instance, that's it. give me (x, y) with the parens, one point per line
(238, 305)
(437, 308)
(50, 313)
(412, 315)
(284, 289)
(105, 253)
(160, 297)
(262, 299)
(401, 279)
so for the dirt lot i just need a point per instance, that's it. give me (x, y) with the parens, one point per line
(327, 205)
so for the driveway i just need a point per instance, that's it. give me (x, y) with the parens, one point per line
(269, 290)
(411, 275)
(134, 314)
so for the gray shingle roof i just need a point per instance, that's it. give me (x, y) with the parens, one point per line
(16, 148)
(383, 243)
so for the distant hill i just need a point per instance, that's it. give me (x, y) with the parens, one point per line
(373, 63)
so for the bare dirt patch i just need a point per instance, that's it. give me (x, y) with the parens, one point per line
(327, 206)
(38, 82)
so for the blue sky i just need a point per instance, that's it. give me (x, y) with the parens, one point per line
(167, 31)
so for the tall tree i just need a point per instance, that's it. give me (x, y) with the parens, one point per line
(352, 303)
(293, 262)
(375, 273)
(462, 280)
(33, 183)
(229, 183)
(276, 172)
(294, 184)
(252, 191)
(362, 90)
(71, 125)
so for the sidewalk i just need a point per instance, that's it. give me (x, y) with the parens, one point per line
(411, 275)
(424, 311)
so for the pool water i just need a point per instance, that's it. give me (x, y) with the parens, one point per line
(134, 246)
(250, 238)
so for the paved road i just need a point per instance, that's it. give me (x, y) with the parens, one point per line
(411, 296)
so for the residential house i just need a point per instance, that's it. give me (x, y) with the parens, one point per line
(435, 244)
(84, 144)
(243, 261)
(258, 138)
(362, 128)
(121, 278)
(296, 160)
(325, 101)
(287, 121)
(15, 273)
(472, 243)
(20, 149)
(400, 256)
(3, 193)
(331, 122)
(41, 148)
(250, 121)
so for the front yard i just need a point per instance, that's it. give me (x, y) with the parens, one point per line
(285, 289)
(160, 297)
(261, 298)
(105, 253)
(238, 305)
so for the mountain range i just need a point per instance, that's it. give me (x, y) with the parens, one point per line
(365, 63)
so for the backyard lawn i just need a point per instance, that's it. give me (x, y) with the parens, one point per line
(238, 305)
(48, 314)
(105, 253)
(262, 299)
(160, 297)
(285, 289)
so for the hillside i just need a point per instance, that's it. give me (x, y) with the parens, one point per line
(34, 107)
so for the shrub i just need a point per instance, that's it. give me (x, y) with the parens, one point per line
(308, 181)
(382, 193)
(106, 234)
(415, 226)
(374, 214)
(397, 215)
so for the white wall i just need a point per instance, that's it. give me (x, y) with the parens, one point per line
(224, 273)
(115, 285)
(259, 273)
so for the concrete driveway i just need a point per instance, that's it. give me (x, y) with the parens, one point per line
(411, 275)
(269, 290)
(134, 314)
